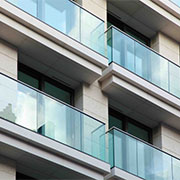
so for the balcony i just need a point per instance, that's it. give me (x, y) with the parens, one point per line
(145, 85)
(143, 61)
(53, 38)
(27, 109)
(68, 18)
(141, 159)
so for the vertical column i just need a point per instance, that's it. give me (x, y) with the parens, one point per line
(168, 139)
(7, 169)
(167, 47)
(91, 100)
(8, 59)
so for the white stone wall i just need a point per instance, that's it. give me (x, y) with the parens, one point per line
(7, 169)
(8, 59)
(168, 139)
(167, 47)
(96, 7)
(91, 100)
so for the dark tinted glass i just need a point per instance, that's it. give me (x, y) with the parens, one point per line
(138, 132)
(113, 121)
(28, 79)
(57, 92)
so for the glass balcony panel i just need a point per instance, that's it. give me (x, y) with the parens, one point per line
(63, 16)
(139, 59)
(92, 32)
(18, 103)
(176, 169)
(58, 121)
(125, 152)
(159, 71)
(138, 158)
(109, 45)
(70, 19)
(64, 124)
(38, 112)
(153, 164)
(30, 7)
(177, 2)
(174, 79)
(123, 50)
(110, 139)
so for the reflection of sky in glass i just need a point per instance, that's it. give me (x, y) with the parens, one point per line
(68, 18)
(63, 16)
(176, 169)
(26, 111)
(177, 2)
(55, 114)
(92, 30)
(141, 159)
(55, 17)
(30, 7)
(34, 110)
(144, 62)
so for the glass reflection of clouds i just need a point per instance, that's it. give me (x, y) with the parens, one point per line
(70, 19)
(26, 110)
(31, 109)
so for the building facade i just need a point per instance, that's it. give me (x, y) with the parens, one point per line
(90, 89)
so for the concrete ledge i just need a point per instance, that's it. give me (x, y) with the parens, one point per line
(115, 69)
(117, 173)
(24, 141)
(169, 6)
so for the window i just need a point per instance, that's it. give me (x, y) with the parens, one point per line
(45, 84)
(112, 20)
(129, 125)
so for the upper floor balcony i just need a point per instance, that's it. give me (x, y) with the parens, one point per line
(144, 84)
(53, 37)
(68, 18)
(32, 115)
(143, 61)
(144, 161)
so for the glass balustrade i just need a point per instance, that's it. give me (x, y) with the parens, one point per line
(177, 2)
(144, 62)
(43, 114)
(141, 159)
(69, 18)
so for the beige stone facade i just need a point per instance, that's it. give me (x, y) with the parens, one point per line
(167, 47)
(7, 169)
(91, 100)
(168, 139)
(8, 59)
(96, 86)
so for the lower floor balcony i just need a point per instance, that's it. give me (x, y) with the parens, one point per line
(140, 159)
(45, 124)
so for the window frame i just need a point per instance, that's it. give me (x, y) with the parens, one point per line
(124, 27)
(125, 120)
(42, 78)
